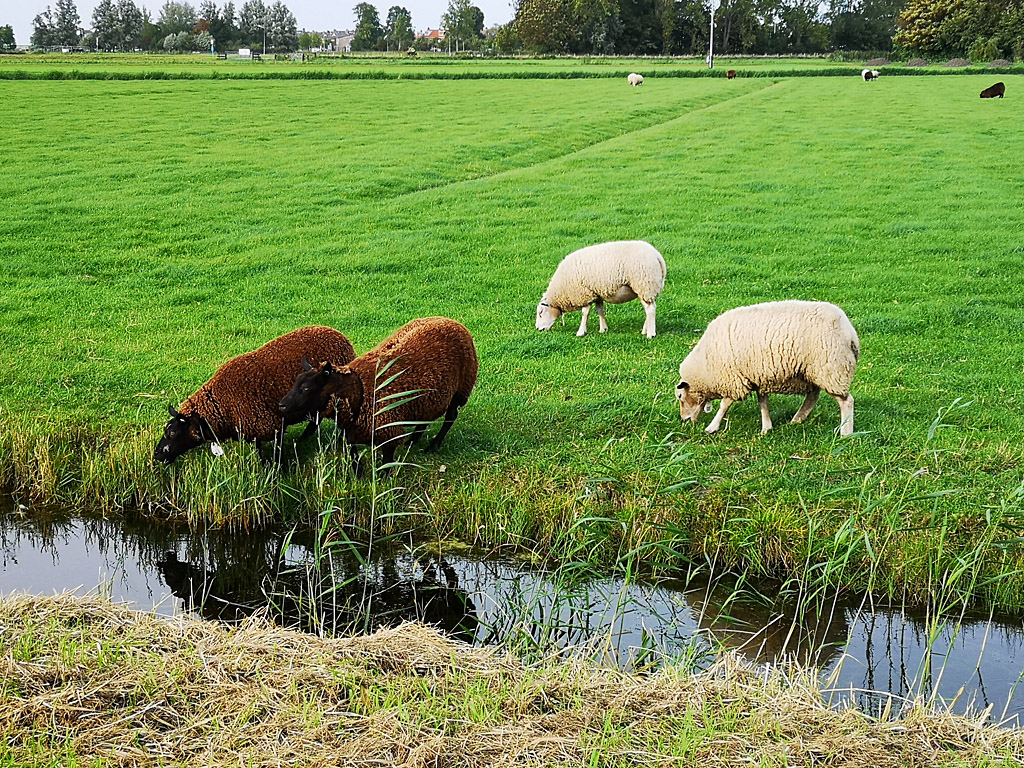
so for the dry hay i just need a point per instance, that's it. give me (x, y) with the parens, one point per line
(957, 63)
(918, 63)
(84, 677)
(877, 63)
(999, 63)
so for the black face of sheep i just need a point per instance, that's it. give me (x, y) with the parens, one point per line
(181, 434)
(313, 389)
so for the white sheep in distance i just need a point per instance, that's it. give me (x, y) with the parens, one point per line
(615, 272)
(634, 79)
(784, 347)
(869, 74)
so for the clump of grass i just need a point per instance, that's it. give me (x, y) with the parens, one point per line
(88, 681)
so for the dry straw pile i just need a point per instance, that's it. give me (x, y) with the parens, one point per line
(89, 682)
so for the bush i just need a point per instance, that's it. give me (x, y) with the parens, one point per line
(983, 50)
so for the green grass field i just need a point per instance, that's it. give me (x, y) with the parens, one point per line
(151, 230)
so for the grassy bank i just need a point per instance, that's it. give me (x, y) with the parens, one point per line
(154, 229)
(90, 682)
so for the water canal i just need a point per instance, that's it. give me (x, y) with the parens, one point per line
(877, 656)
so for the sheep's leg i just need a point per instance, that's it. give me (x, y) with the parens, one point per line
(583, 323)
(649, 327)
(805, 410)
(449, 418)
(603, 324)
(845, 414)
(416, 434)
(766, 418)
(311, 427)
(717, 421)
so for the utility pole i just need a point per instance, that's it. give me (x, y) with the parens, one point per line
(711, 38)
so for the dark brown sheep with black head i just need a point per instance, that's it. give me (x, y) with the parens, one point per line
(240, 401)
(424, 370)
(993, 91)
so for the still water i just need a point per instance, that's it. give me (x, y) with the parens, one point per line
(872, 655)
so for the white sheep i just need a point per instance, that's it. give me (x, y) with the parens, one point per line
(785, 347)
(615, 272)
(869, 74)
(634, 79)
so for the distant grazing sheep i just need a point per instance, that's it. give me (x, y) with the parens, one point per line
(241, 401)
(869, 74)
(634, 79)
(785, 347)
(424, 370)
(994, 90)
(615, 272)
(731, 74)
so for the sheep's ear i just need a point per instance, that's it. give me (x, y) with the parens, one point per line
(682, 385)
(306, 365)
(174, 413)
(327, 369)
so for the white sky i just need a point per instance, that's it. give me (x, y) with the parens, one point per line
(313, 15)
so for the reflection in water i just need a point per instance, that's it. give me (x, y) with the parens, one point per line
(871, 655)
(347, 598)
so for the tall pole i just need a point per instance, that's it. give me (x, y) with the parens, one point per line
(711, 39)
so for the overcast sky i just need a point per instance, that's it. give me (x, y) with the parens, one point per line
(314, 15)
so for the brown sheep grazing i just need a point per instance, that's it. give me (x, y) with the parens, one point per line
(424, 370)
(241, 401)
(731, 74)
(994, 90)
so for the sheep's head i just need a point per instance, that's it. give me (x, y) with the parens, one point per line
(317, 388)
(546, 314)
(182, 433)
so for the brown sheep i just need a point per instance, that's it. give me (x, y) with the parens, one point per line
(241, 400)
(424, 370)
(994, 90)
(731, 74)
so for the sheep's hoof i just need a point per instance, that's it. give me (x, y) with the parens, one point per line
(711, 429)
(581, 333)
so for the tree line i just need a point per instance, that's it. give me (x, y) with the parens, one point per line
(980, 30)
(121, 25)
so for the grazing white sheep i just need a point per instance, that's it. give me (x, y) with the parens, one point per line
(785, 347)
(869, 74)
(634, 79)
(615, 272)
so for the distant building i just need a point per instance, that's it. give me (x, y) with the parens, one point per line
(339, 41)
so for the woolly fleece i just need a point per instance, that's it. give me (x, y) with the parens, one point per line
(242, 397)
(785, 347)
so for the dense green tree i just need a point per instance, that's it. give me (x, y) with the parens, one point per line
(398, 28)
(506, 40)
(282, 29)
(66, 23)
(177, 16)
(463, 24)
(939, 28)
(368, 32)
(252, 21)
(44, 32)
(7, 42)
(863, 25)
(545, 26)
(597, 26)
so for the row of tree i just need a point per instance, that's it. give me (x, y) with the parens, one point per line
(121, 25)
(979, 29)
(462, 22)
